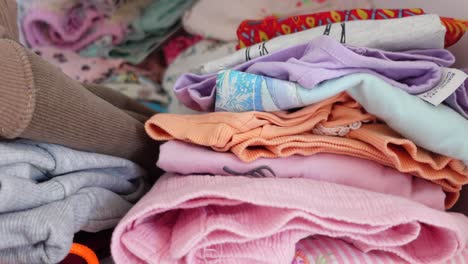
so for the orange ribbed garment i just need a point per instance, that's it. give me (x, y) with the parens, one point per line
(253, 135)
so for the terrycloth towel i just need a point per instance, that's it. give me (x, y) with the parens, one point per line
(231, 219)
(218, 19)
(323, 167)
(253, 135)
(416, 32)
(50, 192)
(323, 250)
(322, 59)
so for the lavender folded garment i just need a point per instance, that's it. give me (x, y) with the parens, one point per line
(333, 168)
(72, 30)
(415, 71)
(232, 220)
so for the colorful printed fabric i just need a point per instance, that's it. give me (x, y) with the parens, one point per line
(190, 61)
(132, 81)
(456, 28)
(399, 34)
(323, 58)
(137, 86)
(146, 33)
(238, 91)
(71, 29)
(177, 45)
(251, 32)
(84, 70)
(219, 19)
(327, 250)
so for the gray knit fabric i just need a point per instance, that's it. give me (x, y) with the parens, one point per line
(49, 192)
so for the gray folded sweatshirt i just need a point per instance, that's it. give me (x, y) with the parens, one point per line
(49, 192)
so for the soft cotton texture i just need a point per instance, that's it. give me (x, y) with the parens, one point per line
(417, 32)
(253, 135)
(401, 111)
(190, 61)
(158, 19)
(250, 32)
(218, 19)
(71, 28)
(333, 168)
(320, 249)
(322, 59)
(82, 69)
(41, 103)
(232, 219)
(50, 192)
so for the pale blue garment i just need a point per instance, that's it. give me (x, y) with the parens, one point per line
(238, 91)
(439, 129)
(436, 128)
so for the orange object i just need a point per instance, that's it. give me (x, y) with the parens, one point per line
(254, 135)
(85, 253)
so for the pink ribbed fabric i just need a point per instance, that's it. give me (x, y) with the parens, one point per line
(341, 169)
(326, 250)
(234, 220)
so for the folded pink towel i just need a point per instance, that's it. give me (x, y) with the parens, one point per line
(232, 219)
(333, 168)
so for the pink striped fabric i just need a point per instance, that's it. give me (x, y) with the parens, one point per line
(235, 219)
(326, 250)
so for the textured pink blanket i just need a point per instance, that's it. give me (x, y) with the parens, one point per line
(235, 219)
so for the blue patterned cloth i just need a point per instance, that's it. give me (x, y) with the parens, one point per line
(238, 91)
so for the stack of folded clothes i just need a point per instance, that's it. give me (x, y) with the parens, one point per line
(74, 157)
(341, 139)
(105, 42)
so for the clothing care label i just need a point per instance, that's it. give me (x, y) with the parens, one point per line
(451, 80)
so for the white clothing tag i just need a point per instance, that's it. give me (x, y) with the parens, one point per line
(451, 80)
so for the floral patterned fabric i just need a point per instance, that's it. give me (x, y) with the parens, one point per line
(252, 32)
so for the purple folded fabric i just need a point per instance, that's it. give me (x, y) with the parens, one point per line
(333, 168)
(71, 30)
(415, 71)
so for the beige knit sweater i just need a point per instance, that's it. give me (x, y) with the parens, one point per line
(39, 102)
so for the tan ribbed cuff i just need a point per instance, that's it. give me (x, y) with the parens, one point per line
(39, 102)
(17, 93)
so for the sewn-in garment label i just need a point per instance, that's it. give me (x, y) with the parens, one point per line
(450, 82)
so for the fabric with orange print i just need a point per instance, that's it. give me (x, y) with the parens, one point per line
(253, 135)
(456, 28)
(252, 32)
